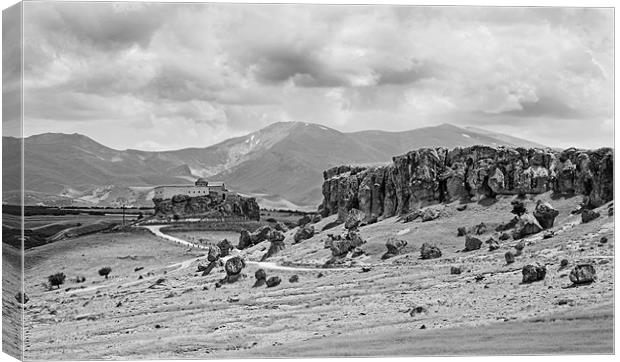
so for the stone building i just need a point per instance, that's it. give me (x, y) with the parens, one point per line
(201, 187)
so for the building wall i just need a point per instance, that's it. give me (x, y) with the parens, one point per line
(166, 192)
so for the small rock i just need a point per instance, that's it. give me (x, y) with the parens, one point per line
(273, 282)
(533, 273)
(565, 301)
(293, 279)
(320, 275)
(461, 207)
(366, 269)
(22, 297)
(261, 278)
(417, 310)
(234, 265)
(423, 326)
(510, 257)
(589, 215)
(479, 277)
(504, 236)
(472, 243)
(480, 229)
(455, 270)
(545, 214)
(394, 247)
(461, 231)
(493, 244)
(603, 240)
(233, 299)
(563, 264)
(582, 274)
(548, 234)
(428, 251)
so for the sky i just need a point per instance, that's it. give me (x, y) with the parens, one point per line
(168, 76)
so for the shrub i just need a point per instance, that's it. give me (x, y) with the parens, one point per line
(56, 279)
(105, 271)
(518, 208)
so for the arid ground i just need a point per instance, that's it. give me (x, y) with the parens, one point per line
(366, 307)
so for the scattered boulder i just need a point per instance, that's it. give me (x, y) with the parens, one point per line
(545, 214)
(479, 229)
(504, 236)
(533, 273)
(213, 254)
(354, 219)
(603, 240)
(548, 234)
(273, 282)
(276, 245)
(472, 243)
(430, 213)
(563, 264)
(589, 215)
(493, 244)
(234, 265)
(225, 247)
(582, 274)
(510, 257)
(21, 297)
(461, 231)
(527, 225)
(519, 247)
(509, 225)
(394, 247)
(206, 269)
(304, 233)
(417, 310)
(455, 270)
(261, 278)
(518, 208)
(293, 279)
(245, 240)
(461, 207)
(341, 246)
(428, 251)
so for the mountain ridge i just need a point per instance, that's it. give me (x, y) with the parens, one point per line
(281, 163)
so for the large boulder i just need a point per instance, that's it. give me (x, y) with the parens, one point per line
(428, 251)
(472, 243)
(394, 247)
(276, 246)
(225, 247)
(245, 240)
(304, 233)
(533, 273)
(589, 215)
(527, 225)
(234, 265)
(213, 253)
(545, 214)
(354, 219)
(261, 278)
(582, 274)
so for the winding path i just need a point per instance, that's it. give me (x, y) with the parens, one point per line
(155, 229)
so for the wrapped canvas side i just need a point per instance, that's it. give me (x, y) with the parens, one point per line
(13, 297)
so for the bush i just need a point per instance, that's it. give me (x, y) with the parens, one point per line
(518, 208)
(56, 279)
(105, 271)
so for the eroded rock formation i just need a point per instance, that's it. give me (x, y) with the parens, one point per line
(428, 176)
(209, 207)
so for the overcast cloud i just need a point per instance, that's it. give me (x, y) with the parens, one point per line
(164, 76)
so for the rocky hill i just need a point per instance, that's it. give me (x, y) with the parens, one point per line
(208, 207)
(432, 175)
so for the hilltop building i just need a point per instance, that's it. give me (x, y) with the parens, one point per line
(201, 187)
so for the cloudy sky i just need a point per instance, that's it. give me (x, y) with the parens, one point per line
(165, 76)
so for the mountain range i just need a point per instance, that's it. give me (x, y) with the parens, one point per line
(281, 164)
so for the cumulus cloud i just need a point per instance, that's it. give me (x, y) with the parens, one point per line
(181, 75)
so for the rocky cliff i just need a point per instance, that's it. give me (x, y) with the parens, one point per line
(208, 207)
(433, 175)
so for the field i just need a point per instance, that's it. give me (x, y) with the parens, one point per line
(367, 306)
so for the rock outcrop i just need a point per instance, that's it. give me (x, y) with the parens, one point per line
(234, 206)
(431, 175)
(582, 274)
